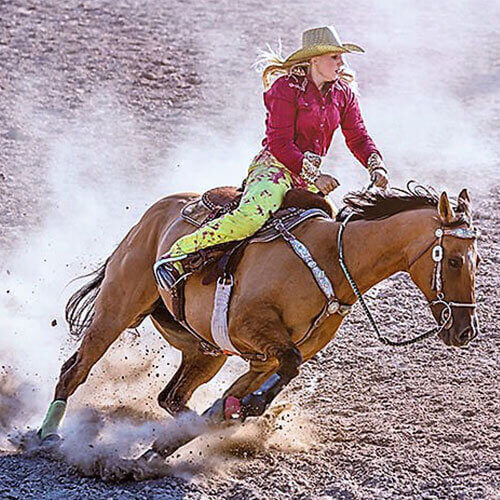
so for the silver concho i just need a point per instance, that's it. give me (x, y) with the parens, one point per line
(437, 253)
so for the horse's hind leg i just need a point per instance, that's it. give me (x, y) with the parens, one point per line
(97, 339)
(118, 305)
(196, 368)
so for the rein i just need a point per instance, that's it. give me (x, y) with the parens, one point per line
(437, 256)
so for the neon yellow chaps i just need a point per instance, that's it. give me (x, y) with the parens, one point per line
(267, 183)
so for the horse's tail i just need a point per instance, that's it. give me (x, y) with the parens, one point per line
(80, 307)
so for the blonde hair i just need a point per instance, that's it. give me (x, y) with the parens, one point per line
(272, 65)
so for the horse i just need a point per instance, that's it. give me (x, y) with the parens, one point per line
(275, 297)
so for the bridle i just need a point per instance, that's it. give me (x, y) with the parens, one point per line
(446, 319)
(437, 277)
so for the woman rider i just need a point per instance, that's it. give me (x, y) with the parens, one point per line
(304, 108)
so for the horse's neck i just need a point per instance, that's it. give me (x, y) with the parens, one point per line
(375, 250)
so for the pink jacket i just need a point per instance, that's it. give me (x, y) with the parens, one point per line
(299, 118)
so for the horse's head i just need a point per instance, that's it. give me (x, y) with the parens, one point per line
(445, 271)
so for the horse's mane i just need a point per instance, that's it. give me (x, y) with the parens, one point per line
(377, 205)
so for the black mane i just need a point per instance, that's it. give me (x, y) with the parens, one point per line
(369, 205)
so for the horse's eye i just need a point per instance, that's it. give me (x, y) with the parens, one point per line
(455, 263)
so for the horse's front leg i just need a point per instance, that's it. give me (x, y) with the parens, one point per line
(256, 388)
(252, 393)
(264, 333)
(196, 369)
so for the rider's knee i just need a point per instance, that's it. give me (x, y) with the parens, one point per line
(250, 223)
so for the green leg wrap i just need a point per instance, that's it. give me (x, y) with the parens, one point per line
(55, 414)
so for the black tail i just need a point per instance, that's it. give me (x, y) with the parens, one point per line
(80, 306)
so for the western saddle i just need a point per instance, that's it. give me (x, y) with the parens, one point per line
(221, 260)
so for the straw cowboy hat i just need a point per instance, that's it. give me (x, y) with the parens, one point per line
(319, 41)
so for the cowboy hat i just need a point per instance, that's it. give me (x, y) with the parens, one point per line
(319, 41)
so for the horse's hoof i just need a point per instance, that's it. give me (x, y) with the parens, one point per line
(150, 456)
(224, 410)
(50, 441)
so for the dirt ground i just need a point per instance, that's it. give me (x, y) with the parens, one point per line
(368, 421)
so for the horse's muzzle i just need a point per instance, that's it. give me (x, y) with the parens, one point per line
(464, 336)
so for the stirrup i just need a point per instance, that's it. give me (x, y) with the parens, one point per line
(166, 275)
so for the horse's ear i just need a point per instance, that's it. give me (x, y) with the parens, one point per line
(463, 198)
(464, 203)
(445, 209)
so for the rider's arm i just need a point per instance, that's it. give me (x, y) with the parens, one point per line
(354, 130)
(281, 104)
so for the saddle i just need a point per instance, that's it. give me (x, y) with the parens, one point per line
(221, 200)
(221, 261)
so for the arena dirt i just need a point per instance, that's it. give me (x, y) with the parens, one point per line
(366, 421)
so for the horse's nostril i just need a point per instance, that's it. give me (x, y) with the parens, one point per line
(466, 335)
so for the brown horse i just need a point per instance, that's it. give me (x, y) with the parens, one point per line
(275, 298)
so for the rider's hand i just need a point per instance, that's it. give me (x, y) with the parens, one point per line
(379, 178)
(326, 183)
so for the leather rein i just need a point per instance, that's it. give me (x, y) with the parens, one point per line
(437, 282)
